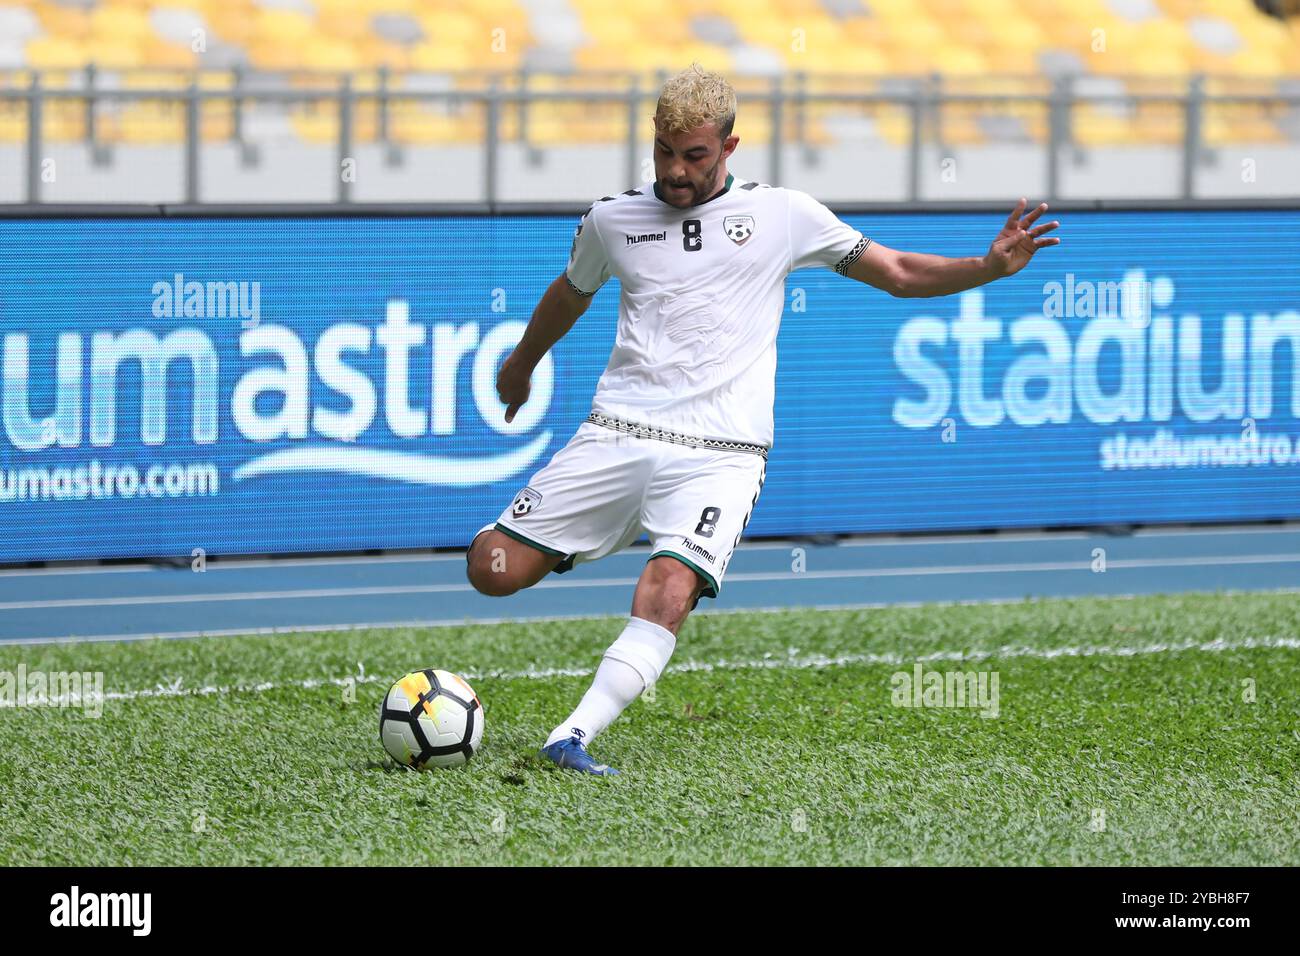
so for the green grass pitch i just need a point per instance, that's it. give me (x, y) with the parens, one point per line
(1125, 734)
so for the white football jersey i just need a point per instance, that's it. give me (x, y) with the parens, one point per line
(703, 290)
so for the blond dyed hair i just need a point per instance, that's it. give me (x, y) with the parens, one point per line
(693, 98)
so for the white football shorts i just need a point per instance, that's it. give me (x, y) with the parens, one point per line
(612, 482)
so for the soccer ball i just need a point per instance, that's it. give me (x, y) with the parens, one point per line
(431, 718)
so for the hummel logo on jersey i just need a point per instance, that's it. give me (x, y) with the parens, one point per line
(647, 237)
(738, 228)
(690, 545)
(524, 502)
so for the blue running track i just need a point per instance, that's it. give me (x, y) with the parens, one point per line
(108, 602)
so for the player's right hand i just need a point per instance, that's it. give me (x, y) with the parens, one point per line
(513, 384)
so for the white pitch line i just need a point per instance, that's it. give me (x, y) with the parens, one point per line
(591, 616)
(753, 576)
(769, 662)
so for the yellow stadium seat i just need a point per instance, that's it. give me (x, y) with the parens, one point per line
(1232, 10)
(231, 24)
(906, 62)
(1165, 35)
(375, 53)
(855, 59)
(1218, 129)
(321, 53)
(215, 80)
(63, 22)
(1110, 62)
(1160, 61)
(963, 61)
(611, 30)
(1041, 10)
(429, 128)
(1266, 33)
(945, 11)
(1256, 63)
(893, 126)
(216, 127)
(271, 55)
(1070, 33)
(155, 80)
(13, 125)
(889, 10)
(960, 130)
(777, 33)
(864, 31)
(320, 126)
(708, 55)
(597, 56)
(64, 125)
(287, 27)
(144, 124)
(802, 8)
(119, 22)
(1180, 9)
(342, 24)
(1205, 61)
(55, 53)
(396, 6)
(157, 52)
(1093, 126)
(654, 56)
(662, 30)
(1019, 35)
(111, 54)
(316, 127)
(916, 33)
(455, 29)
(431, 57)
(1160, 124)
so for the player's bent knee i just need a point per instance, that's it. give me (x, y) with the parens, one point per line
(491, 583)
(488, 567)
(498, 566)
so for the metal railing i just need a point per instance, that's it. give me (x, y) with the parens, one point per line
(923, 99)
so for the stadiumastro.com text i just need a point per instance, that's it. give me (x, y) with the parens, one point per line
(98, 480)
(1124, 452)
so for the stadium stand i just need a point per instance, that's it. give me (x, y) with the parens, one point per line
(1120, 45)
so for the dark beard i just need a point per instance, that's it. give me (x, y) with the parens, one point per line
(711, 177)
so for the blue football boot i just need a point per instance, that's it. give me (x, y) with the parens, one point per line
(570, 754)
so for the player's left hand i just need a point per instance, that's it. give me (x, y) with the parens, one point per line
(1017, 242)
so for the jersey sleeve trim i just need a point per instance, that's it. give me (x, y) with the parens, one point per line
(575, 289)
(590, 217)
(854, 254)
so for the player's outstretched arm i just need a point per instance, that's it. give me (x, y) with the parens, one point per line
(920, 275)
(555, 314)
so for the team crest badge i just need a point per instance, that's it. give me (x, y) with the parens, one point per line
(738, 228)
(524, 502)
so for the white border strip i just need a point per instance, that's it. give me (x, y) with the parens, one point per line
(234, 563)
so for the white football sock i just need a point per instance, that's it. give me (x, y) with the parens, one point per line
(632, 664)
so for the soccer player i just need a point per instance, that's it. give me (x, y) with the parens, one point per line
(677, 440)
